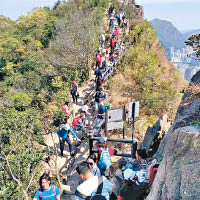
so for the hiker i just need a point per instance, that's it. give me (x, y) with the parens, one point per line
(65, 109)
(92, 161)
(74, 91)
(112, 58)
(102, 40)
(131, 189)
(133, 39)
(98, 59)
(104, 156)
(101, 112)
(141, 155)
(111, 9)
(79, 125)
(63, 134)
(112, 44)
(116, 32)
(111, 24)
(93, 187)
(85, 108)
(140, 165)
(100, 95)
(98, 72)
(99, 81)
(47, 190)
(118, 17)
(107, 56)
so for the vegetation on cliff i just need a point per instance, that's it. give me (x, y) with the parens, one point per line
(40, 54)
(146, 75)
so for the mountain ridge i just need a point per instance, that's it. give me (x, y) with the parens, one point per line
(168, 34)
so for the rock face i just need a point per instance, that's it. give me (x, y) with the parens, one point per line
(154, 135)
(178, 176)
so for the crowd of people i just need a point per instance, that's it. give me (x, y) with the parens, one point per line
(135, 175)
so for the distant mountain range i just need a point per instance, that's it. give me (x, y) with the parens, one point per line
(186, 35)
(170, 36)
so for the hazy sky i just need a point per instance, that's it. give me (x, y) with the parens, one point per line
(184, 14)
(16, 8)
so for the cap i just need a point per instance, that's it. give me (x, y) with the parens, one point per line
(66, 127)
(129, 174)
(101, 141)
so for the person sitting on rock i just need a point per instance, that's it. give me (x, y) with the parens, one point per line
(92, 186)
(141, 155)
(47, 190)
(141, 165)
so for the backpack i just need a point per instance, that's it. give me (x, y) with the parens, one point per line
(75, 121)
(113, 43)
(53, 195)
(105, 159)
(60, 131)
(98, 195)
(118, 16)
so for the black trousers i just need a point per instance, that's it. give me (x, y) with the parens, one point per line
(62, 145)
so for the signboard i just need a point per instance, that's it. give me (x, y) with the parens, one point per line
(116, 115)
(133, 109)
(115, 125)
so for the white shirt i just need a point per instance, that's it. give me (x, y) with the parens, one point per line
(85, 108)
(89, 187)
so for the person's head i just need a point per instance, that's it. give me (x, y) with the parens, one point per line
(98, 51)
(73, 82)
(45, 181)
(92, 159)
(102, 142)
(67, 103)
(65, 121)
(87, 102)
(82, 115)
(101, 103)
(101, 90)
(141, 154)
(129, 174)
(84, 170)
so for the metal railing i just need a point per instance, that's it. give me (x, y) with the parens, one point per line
(133, 146)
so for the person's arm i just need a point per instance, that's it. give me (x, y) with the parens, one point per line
(73, 133)
(57, 193)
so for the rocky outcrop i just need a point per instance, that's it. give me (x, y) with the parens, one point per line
(188, 113)
(178, 176)
(155, 134)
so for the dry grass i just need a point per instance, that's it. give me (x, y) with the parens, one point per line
(118, 96)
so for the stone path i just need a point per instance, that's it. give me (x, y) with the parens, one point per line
(72, 179)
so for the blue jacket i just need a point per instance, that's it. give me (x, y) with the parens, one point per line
(62, 133)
